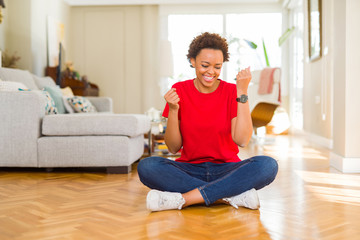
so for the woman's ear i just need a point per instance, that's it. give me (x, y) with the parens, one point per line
(192, 61)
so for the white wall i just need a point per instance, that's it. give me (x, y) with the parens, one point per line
(318, 77)
(334, 78)
(116, 47)
(2, 28)
(340, 77)
(352, 79)
(40, 10)
(24, 30)
(150, 84)
(17, 31)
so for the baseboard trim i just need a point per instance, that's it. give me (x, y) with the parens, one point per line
(343, 164)
(322, 141)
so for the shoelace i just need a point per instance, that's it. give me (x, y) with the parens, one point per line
(242, 201)
(172, 201)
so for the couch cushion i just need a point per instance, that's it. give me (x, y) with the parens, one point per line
(86, 124)
(89, 151)
(42, 82)
(17, 75)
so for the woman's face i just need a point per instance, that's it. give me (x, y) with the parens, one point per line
(207, 65)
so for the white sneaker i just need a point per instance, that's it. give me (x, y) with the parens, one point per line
(248, 199)
(159, 201)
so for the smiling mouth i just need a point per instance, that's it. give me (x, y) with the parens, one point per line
(208, 78)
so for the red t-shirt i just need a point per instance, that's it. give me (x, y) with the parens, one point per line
(205, 123)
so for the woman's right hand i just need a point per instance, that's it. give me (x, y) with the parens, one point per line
(172, 98)
(173, 139)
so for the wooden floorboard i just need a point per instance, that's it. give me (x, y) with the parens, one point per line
(308, 200)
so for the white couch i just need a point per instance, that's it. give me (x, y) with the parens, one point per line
(29, 138)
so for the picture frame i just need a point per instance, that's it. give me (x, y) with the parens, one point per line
(315, 29)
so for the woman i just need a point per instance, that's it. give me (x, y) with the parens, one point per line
(207, 119)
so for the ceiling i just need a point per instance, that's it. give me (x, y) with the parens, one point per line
(146, 2)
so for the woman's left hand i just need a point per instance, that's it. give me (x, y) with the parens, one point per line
(243, 79)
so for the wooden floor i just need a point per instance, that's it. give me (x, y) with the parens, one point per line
(308, 200)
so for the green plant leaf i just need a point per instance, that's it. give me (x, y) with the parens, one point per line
(286, 35)
(251, 44)
(265, 54)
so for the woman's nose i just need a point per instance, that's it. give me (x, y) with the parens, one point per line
(211, 70)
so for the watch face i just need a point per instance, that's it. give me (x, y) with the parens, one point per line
(243, 98)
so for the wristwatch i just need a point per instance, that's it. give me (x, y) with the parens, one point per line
(242, 99)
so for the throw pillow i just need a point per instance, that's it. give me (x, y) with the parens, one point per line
(67, 92)
(81, 104)
(67, 105)
(50, 107)
(6, 86)
(56, 95)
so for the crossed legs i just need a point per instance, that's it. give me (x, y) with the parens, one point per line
(207, 182)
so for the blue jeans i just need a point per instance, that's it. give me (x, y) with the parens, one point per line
(214, 181)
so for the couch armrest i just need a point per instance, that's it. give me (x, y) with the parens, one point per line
(21, 114)
(102, 104)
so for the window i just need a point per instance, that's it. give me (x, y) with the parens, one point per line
(254, 27)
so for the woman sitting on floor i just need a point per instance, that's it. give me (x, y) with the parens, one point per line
(208, 119)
